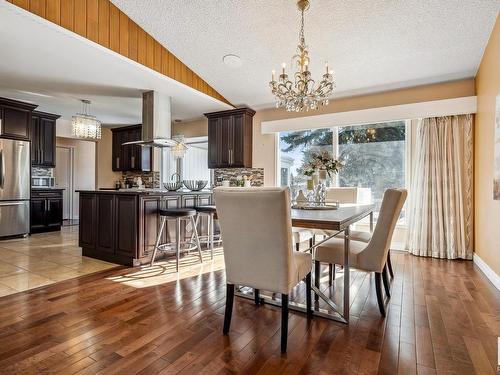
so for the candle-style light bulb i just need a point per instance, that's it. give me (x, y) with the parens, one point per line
(274, 72)
(283, 66)
(326, 66)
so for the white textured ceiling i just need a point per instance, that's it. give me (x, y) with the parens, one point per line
(40, 57)
(372, 45)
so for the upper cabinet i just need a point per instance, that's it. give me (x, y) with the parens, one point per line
(15, 119)
(130, 157)
(230, 138)
(43, 139)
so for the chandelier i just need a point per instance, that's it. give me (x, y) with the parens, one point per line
(85, 125)
(302, 94)
(179, 149)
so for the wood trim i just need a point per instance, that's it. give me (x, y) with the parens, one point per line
(102, 22)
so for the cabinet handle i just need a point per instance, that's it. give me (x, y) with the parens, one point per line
(117, 162)
(48, 205)
(132, 161)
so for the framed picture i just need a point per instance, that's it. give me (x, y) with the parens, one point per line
(496, 172)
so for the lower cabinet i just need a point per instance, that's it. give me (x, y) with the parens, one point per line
(122, 228)
(46, 210)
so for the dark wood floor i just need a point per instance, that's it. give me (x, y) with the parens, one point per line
(443, 318)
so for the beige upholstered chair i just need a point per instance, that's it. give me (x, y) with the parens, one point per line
(371, 256)
(258, 249)
(347, 194)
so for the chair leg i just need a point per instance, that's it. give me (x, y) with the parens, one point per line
(178, 240)
(317, 276)
(297, 246)
(197, 239)
(331, 274)
(256, 296)
(308, 296)
(229, 307)
(385, 279)
(158, 239)
(389, 264)
(284, 322)
(212, 235)
(380, 298)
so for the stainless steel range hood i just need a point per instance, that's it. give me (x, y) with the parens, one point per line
(156, 121)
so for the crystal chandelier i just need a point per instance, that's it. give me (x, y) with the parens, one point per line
(85, 125)
(178, 150)
(301, 95)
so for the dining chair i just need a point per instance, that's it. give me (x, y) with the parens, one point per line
(258, 248)
(371, 256)
(349, 195)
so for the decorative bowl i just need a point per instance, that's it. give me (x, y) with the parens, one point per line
(195, 185)
(172, 185)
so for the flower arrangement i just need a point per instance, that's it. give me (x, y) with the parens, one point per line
(321, 160)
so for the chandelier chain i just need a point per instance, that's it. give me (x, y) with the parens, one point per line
(302, 94)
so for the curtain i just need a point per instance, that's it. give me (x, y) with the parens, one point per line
(440, 197)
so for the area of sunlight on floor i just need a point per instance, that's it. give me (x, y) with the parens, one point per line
(164, 270)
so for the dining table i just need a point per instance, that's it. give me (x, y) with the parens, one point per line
(329, 223)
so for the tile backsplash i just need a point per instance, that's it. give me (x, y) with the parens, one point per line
(256, 174)
(42, 172)
(151, 179)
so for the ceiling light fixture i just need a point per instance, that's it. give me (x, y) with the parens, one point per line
(301, 95)
(233, 61)
(178, 150)
(84, 124)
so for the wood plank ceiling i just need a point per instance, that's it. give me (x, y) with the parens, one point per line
(102, 22)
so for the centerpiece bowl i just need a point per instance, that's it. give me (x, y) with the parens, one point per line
(172, 185)
(195, 185)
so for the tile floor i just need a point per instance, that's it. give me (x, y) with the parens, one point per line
(44, 259)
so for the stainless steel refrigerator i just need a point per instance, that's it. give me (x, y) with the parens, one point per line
(14, 187)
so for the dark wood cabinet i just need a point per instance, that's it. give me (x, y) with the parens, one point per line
(87, 226)
(122, 227)
(130, 157)
(43, 139)
(15, 119)
(230, 138)
(46, 210)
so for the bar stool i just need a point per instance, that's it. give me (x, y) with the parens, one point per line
(178, 214)
(211, 238)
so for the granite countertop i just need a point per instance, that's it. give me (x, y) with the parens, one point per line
(147, 191)
(47, 188)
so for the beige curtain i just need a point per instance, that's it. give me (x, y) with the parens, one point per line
(440, 197)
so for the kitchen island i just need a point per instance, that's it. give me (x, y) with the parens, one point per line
(121, 226)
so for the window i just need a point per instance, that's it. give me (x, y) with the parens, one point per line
(374, 156)
(194, 164)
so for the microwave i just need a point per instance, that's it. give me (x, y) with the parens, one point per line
(42, 182)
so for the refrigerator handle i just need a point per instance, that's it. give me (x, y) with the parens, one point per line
(2, 174)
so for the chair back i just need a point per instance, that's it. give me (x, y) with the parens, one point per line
(349, 195)
(256, 228)
(374, 256)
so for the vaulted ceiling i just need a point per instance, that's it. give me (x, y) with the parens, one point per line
(372, 45)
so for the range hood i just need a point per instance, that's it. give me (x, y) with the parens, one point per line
(156, 121)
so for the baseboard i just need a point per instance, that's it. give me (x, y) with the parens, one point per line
(488, 272)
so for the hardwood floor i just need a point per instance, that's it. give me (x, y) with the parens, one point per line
(443, 318)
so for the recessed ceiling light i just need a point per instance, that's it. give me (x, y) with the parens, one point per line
(232, 61)
(35, 94)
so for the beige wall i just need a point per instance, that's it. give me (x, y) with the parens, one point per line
(487, 210)
(83, 167)
(264, 150)
(198, 128)
(105, 177)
